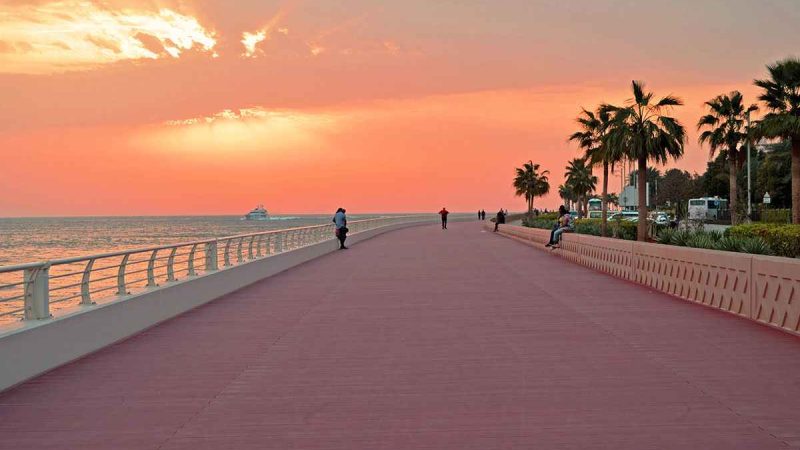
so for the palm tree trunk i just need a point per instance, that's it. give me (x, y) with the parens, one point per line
(733, 202)
(641, 227)
(603, 200)
(796, 179)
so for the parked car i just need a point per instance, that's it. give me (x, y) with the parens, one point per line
(659, 217)
(631, 216)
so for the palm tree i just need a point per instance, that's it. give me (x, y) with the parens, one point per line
(592, 138)
(581, 181)
(612, 199)
(644, 130)
(566, 194)
(726, 132)
(530, 183)
(782, 97)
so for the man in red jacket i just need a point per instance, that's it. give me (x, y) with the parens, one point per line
(444, 212)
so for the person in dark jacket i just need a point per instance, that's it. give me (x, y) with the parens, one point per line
(500, 218)
(444, 212)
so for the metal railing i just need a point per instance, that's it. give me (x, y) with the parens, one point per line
(29, 290)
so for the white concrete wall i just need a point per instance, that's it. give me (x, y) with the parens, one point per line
(39, 346)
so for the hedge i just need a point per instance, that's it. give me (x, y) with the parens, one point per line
(623, 229)
(784, 240)
(782, 216)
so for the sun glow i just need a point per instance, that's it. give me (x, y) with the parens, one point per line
(241, 130)
(78, 35)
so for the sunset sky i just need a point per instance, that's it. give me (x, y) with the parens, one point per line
(211, 106)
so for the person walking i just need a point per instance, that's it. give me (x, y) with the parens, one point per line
(444, 212)
(483, 214)
(500, 218)
(340, 223)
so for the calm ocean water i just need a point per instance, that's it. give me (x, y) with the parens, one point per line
(38, 239)
(25, 240)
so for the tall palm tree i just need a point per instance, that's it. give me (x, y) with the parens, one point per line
(530, 183)
(592, 139)
(725, 131)
(782, 97)
(566, 194)
(644, 130)
(581, 181)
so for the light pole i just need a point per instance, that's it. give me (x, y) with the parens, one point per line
(749, 195)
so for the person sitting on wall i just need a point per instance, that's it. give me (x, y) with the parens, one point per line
(500, 218)
(564, 224)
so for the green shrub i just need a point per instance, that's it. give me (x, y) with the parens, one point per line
(665, 236)
(621, 229)
(756, 246)
(782, 239)
(681, 237)
(776, 215)
(701, 240)
(588, 226)
(729, 244)
(538, 222)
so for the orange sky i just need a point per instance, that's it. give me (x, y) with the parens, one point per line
(210, 107)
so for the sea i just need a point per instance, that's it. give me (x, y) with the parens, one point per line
(24, 240)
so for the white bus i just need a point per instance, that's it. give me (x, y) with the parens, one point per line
(707, 208)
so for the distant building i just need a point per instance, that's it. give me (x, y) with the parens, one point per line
(629, 198)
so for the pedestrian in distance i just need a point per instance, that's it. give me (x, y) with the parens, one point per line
(483, 214)
(340, 224)
(444, 212)
(479, 214)
(500, 218)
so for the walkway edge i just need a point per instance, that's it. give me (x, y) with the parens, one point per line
(45, 345)
(763, 289)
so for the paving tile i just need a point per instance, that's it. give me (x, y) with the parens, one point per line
(426, 339)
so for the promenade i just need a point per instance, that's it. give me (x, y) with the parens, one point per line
(426, 339)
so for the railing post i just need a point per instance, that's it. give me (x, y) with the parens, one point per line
(239, 257)
(37, 292)
(190, 269)
(227, 253)
(171, 265)
(151, 277)
(279, 242)
(121, 288)
(211, 256)
(86, 291)
(258, 247)
(250, 248)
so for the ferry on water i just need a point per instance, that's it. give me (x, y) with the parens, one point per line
(258, 213)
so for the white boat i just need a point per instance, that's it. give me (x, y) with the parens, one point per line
(258, 213)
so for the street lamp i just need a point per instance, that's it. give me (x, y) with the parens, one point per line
(749, 195)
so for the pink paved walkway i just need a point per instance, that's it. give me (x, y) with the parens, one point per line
(427, 339)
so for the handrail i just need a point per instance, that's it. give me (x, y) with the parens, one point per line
(37, 283)
(76, 259)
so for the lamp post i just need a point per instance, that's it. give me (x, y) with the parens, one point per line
(749, 195)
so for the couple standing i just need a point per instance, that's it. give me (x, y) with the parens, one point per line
(340, 224)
